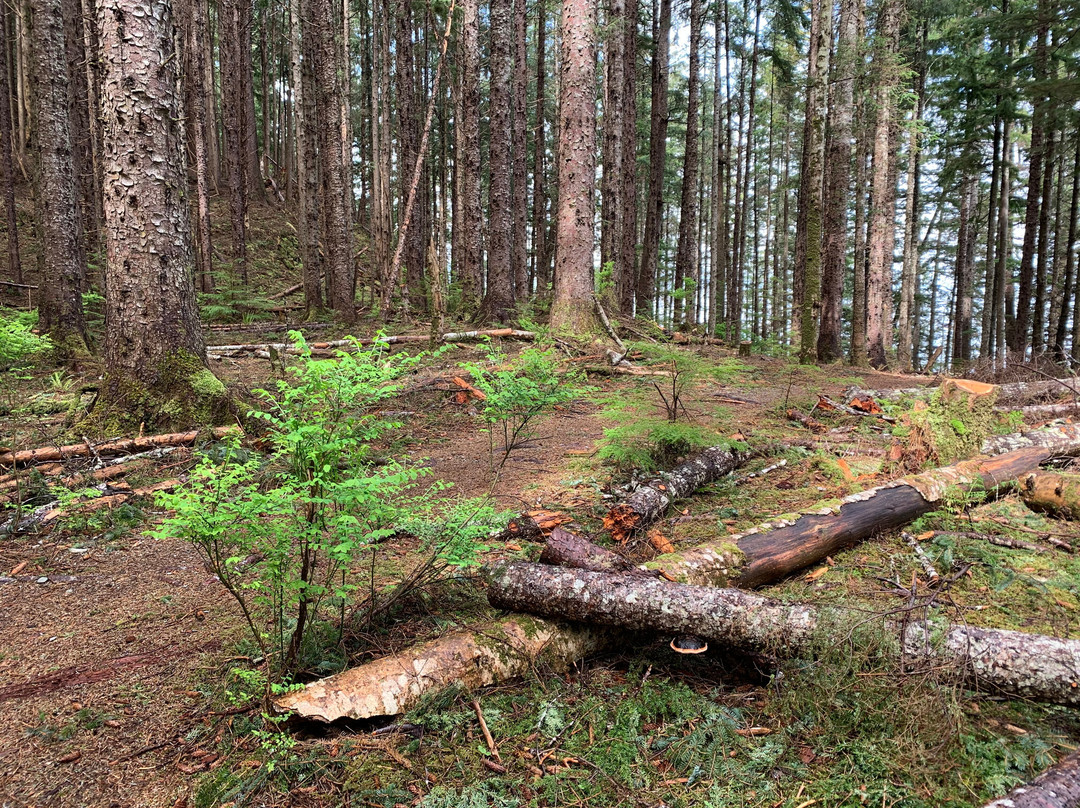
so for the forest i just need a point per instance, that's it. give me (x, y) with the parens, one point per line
(592, 402)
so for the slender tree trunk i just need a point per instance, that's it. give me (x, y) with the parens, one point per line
(1038, 320)
(1070, 293)
(56, 188)
(336, 214)
(841, 108)
(906, 339)
(468, 153)
(686, 255)
(809, 247)
(407, 115)
(1019, 338)
(499, 301)
(7, 168)
(611, 181)
(882, 221)
(572, 309)
(307, 217)
(539, 211)
(1004, 243)
(658, 124)
(629, 213)
(965, 271)
(519, 158)
(232, 104)
(196, 131)
(986, 343)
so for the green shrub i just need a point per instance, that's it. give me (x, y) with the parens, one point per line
(307, 511)
(519, 390)
(18, 342)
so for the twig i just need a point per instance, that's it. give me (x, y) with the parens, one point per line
(487, 734)
(611, 331)
(920, 553)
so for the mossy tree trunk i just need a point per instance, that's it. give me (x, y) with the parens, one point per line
(155, 357)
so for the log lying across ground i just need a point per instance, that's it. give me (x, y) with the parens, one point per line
(1010, 662)
(776, 548)
(113, 447)
(471, 659)
(1059, 439)
(1014, 392)
(714, 562)
(564, 549)
(649, 502)
(1057, 787)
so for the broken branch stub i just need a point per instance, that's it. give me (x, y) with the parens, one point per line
(1010, 662)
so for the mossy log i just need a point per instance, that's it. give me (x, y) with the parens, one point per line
(775, 549)
(114, 447)
(1013, 663)
(648, 503)
(1015, 392)
(469, 659)
(1061, 439)
(1057, 787)
(1052, 493)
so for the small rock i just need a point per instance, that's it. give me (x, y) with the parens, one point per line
(44, 579)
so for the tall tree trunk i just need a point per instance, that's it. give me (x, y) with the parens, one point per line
(467, 159)
(232, 107)
(408, 119)
(808, 247)
(336, 214)
(863, 146)
(56, 187)
(841, 108)
(658, 124)
(197, 29)
(539, 211)
(611, 181)
(906, 338)
(7, 168)
(629, 213)
(1019, 338)
(499, 301)
(154, 350)
(882, 214)
(986, 341)
(686, 254)
(307, 216)
(572, 310)
(965, 272)
(519, 157)
(82, 146)
(1038, 319)
(1070, 291)
(1004, 241)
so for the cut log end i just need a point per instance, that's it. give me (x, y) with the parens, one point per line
(621, 521)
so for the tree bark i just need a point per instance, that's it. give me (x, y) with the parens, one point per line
(841, 109)
(232, 108)
(56, 187)
(7, 169)
(1057, 494)
(882, 215)
(572, 309)
(1057, 787)
(155, 357)
(565, 549)
(307, 215)
(336, 214)
(539, 209)
(658, 124)
(498, 303)
(195, 59)
(1013, 663)
(519, 157)
(686, 251)
(649, 502)
(468, 160)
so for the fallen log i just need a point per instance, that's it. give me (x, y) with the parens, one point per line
(1052, 493)
(1059, 439)
(716, 561)
(1045, 412)
(262, 349)
(469, 659)
(113, 447)
(1057, 787)
(775, 549)
(497, 333)
(565, 549)
(648, 503)
(1013, 392)
(813, 425)
(1013, 663)
(286, 292)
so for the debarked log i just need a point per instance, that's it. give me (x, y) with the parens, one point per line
(776, 548)
(1012, 663)
(470, 659)
(1063, 439)
(1057, 787)
(648, 503)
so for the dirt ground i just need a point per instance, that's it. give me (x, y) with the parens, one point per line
(111, 642)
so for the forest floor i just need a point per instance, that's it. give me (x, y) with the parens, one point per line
(118, 651)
